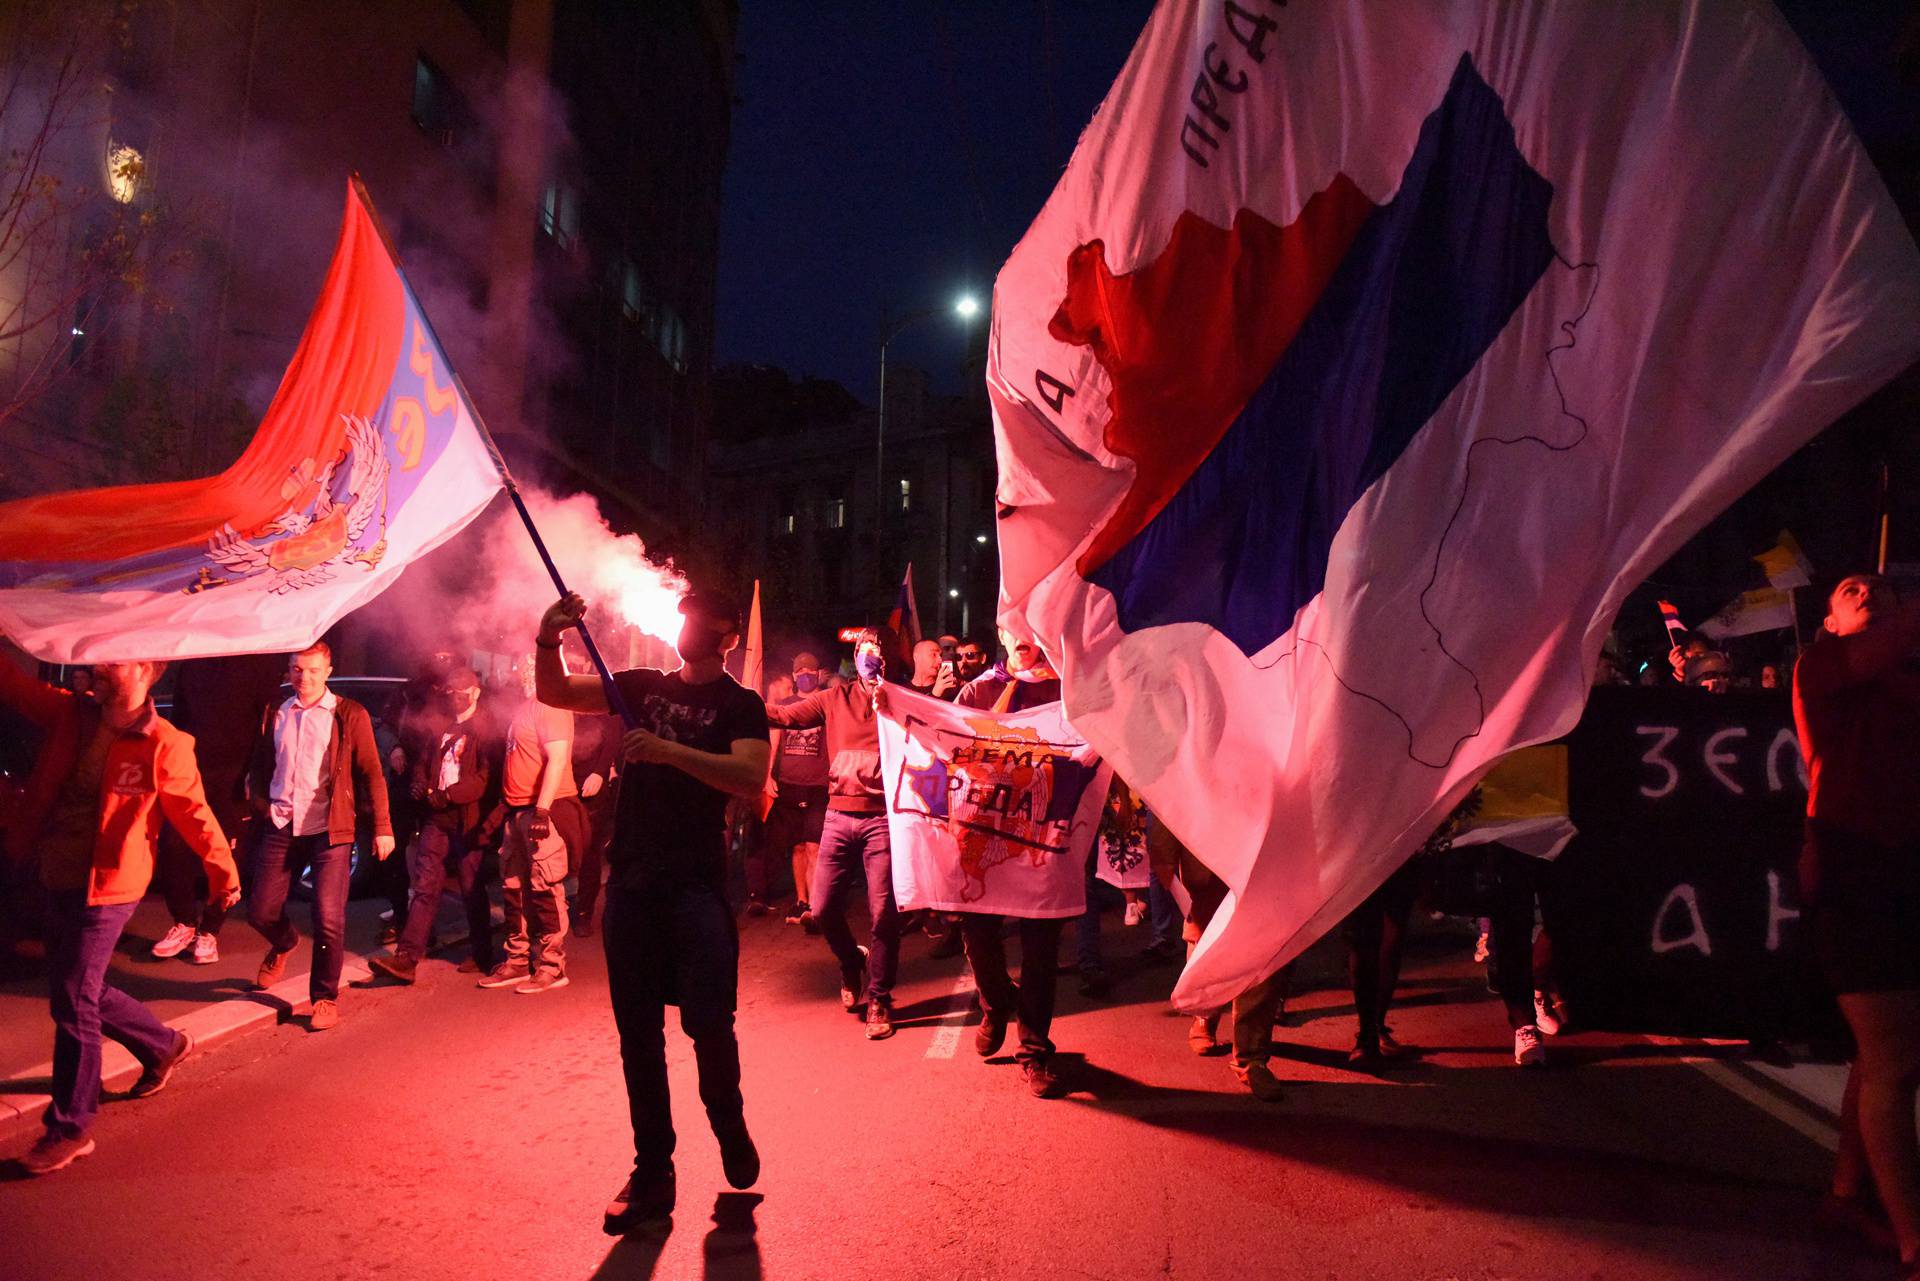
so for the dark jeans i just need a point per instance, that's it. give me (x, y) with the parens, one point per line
(183, 883)
(853, 845)
(1086, 937)
(276, 862)
(1031, 1001)
(444, 856)
(80, 942)
(1376, 933)
(1510, 932)
(672, 946)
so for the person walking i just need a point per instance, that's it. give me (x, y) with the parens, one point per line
(854, 842)
(220, 702)
(315, 762)
(1856, 701)
(448, 780)
(669, 935)
(117, 771)
(537, 772)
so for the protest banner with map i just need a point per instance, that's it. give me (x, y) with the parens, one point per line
(988, 812)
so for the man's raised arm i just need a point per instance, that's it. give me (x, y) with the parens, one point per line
(551, 683)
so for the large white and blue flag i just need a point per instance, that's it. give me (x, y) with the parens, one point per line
(1366, 356)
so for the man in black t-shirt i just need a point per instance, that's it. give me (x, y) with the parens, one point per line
(669, 934)
(800, 789)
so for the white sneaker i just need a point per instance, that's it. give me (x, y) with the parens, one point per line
(1544, 1017)
(206, 949)
(1136, 912)
(174, 942)
(1527, 1050)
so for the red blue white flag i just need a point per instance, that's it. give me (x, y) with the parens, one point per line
(1366, 356)
(904, 618)
(368, 458)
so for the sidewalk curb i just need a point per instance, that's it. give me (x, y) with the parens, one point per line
(209, 1025)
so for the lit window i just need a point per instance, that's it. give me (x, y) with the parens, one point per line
(837, 514)
(787, 523)
(906, 494)
(125, 169)
(560, 214)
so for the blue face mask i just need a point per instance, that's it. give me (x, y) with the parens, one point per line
(869, 666)
(805, 682)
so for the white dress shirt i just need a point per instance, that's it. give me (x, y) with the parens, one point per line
(302, 790)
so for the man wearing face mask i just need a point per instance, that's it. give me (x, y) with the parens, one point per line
(669, 934)
(854, 840)
(800, 798)
(447, 780)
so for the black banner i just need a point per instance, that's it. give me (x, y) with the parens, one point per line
(1676, 909)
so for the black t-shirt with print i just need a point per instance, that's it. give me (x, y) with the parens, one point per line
(670, 824)
(803, 755)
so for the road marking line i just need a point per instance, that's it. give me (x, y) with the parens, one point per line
(947, 1038)
(1825, 1133)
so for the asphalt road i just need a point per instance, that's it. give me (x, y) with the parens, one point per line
(446, 1131)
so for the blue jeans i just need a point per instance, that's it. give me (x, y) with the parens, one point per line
(853, 846)
(80, 942)
(276, 863)
(672, 945)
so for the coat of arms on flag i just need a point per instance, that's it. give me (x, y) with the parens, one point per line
(988, 812)
(1366, 357)
(368, 458)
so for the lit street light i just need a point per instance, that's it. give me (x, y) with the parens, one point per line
(966, 307)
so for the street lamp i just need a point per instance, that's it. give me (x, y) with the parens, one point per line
(966, 307)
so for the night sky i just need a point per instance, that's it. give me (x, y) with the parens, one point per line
(887, 156)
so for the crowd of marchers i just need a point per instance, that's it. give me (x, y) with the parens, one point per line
(658, 793)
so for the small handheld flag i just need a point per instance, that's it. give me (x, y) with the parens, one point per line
(1676, 630)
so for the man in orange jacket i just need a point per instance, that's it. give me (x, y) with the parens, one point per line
(111, 770)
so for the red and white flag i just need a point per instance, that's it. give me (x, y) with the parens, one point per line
(1366, 356)
(368, 458)
(988, 811)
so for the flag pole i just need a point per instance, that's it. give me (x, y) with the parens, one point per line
(615, 701)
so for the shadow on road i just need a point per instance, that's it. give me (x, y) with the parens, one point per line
(1358, 1131)
(730, 1252)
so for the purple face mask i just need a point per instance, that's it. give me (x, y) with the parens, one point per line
(869, 666)
(805, 682)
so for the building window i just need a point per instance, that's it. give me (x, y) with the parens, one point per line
(635, 303)
(837, 513)
(560, 214)
(438, 107)
(906, 494)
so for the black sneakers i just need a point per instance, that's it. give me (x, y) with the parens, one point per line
(638, 1202)
(738, 1157)
(154, 1079)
